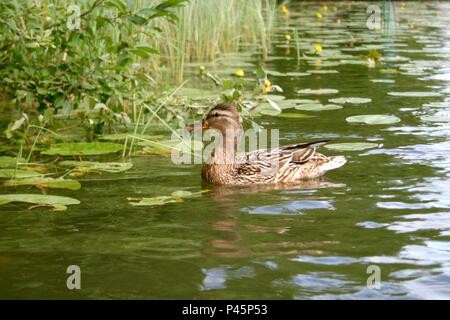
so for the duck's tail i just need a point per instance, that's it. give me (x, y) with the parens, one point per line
(333, 163)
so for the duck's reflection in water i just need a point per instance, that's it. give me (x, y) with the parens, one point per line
(232, 230)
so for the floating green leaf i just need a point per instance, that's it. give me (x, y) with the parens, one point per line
(303, 101)
(318, 91)
(351, 146)
(350, 100)
(83, 148)
(373, 119)
(438, 104)
(155, 201)
(9, 162)
(13, 173)
(414, 94)
(129, 136)
(383, 80)
(317, 107)
(437, 117)
(59, 203)
(274, 97)
(293, 115)
(267, 109)
(43, 182)
(91, 166)
(297, 74)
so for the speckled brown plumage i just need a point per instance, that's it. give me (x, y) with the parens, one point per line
(285, 164)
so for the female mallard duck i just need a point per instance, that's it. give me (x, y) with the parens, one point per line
(285, 164)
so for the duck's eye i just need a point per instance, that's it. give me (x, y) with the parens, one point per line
(216, 114)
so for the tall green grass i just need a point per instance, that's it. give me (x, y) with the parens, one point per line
(207, 28)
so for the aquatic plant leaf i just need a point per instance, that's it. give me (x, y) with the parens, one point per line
(13, 173)
(437, 117)
(83, 148)
(382, 80)
(88, 166)
(45, 183)
(415, 94)
(317, 107)
(351, 146)
(373, 119)
(438, 104)
(155, 201)
(181, 194)
(9, 162)
(303, 101)
(324, 71)
(318, 91)
(350, 100)
(124, 136)
(297, 74)
(274, 97)
(267, 109)
(293, 115)
(58, 203)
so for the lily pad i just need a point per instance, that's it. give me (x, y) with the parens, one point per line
(45, 183)
(437, 117)
(414, 94)
(438, 104)
(155, 201)
(293, 115)
(58, 203)
(83, 148)
(351, 146)
(318, 91)
(373, 119)
(13, 173)
(383, 80)
(350, 100)
(303, 101)
(297, 74)
(274, 97)
(91, 166)
(317, 107)
(267, 109)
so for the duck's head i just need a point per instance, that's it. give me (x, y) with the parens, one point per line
(223, 117)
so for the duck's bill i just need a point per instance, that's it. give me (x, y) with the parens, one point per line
(198, 126)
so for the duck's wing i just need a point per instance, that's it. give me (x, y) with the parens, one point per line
(266, 163)
(302, 152)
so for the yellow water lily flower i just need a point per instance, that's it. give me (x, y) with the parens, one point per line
(318, 15)
(338, 21)
(287, 37)
(284, 9)
(318, 48)
(239, 73)
(325, 8)
(267, 84)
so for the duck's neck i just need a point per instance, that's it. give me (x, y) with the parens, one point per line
(226, 150)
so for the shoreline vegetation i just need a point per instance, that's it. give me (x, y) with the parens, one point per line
(108, 77)
(118, 66)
